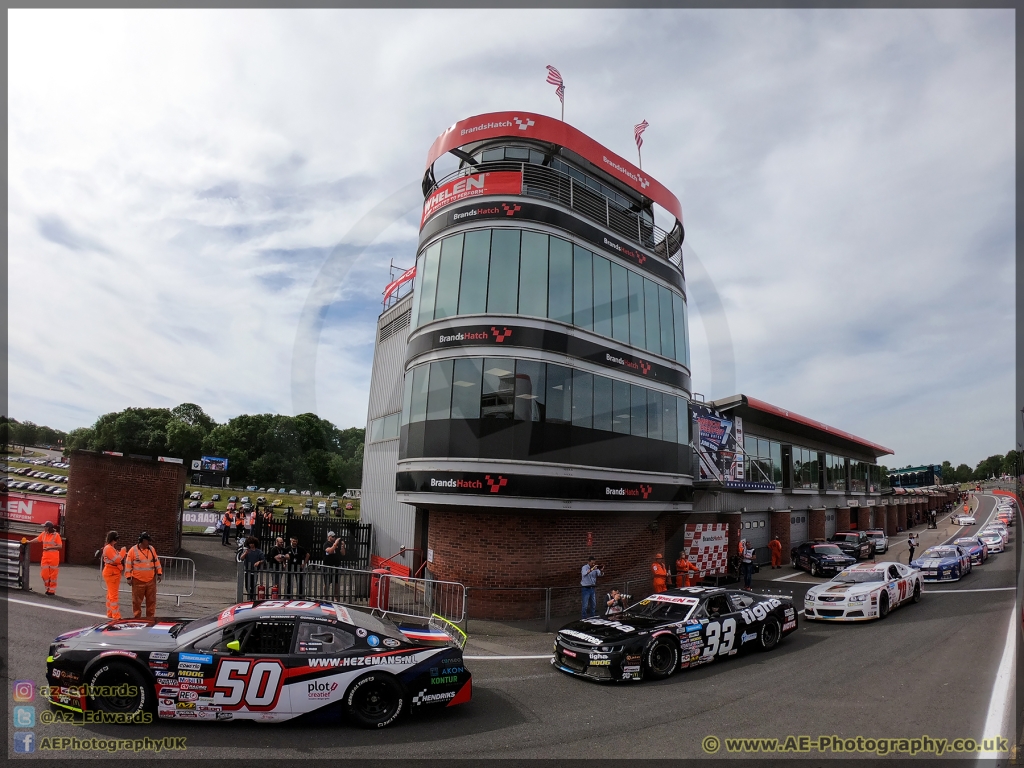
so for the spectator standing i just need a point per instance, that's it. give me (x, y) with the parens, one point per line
(748, 564)
(113, 567)
(683, 570)
(226, 520)
(143, 571)
(912, 543)
(334, 550)
(299, 558)
(252, 561)
(250, 522)
(277, 559)
(49, 563)
(775, 547)
(588, 587)
(660, 573)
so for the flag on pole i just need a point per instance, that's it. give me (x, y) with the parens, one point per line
(555, 78)
(638, 133)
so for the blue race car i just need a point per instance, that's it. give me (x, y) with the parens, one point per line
(976, 548)
(946, 562)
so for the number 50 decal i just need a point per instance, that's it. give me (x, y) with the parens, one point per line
(242, 681)
(720, 638)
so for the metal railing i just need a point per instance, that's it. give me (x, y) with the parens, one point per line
(386, 594)
(14, 567)
(179, 575)
(551, 184)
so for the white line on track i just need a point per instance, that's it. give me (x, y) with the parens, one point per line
(961, 591)
(55, 608)
(504, 658)
(793, 576)
(1002, 689)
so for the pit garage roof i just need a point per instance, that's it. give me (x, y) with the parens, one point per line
(792, 423)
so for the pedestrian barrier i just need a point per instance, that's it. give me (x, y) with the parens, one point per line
(179, 576)
(383, 593)
(14, 569)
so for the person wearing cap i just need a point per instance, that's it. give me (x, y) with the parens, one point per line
(113, 567)
(49, 563)
(334, 550)
(660, 573)
(775, 547)
(683, 569)
(588, 586)
(143, 571)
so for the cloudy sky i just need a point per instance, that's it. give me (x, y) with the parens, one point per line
(177, 180)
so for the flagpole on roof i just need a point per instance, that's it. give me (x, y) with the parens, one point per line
(555, 78)
(638, 135)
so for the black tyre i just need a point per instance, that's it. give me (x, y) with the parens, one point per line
(770, 634)
(661, 659)
(814, 568)
(917, 592)
(375, 701)
(792, 561)
(120, 688)
(883, 605)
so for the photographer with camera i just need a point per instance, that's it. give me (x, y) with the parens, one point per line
(588, 582)
(616, 602)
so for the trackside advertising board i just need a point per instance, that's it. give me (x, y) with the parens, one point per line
(490, 183)
(707, 546)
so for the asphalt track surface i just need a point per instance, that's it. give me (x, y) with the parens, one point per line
(927, 669)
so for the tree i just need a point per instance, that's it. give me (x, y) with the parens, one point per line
(194, 416)
(963, 473)
(986, 468)
(947, 472)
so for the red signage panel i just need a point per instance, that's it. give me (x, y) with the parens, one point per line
(490, 183)
(20, 508)
(528, 125)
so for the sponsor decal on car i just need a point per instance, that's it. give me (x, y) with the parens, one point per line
(224, 715)
(196, 658)
(746, 638)
(187, 695)
(157, 665)
(598, 656)
(187, 714)
(171, 693)
(631, 668)
(320, 689)
(788, 626)
(373, 641)
(360, 632)
(390, 642)
(581, 636)
(614, 624)
(188, 665)
(189, 673)
(660, 598)
(430, 698)
(759, 612)
(600, 663)
(129, 654)
(186, 705)
(163, 674)
(167, 703)
(567, 652)
(158, 656)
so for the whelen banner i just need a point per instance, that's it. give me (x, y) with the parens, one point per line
(490, 183)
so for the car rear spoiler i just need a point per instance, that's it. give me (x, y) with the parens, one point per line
(456, 637)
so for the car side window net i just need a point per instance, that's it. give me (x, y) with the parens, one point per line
(315, 639)
(269, 637)
(740, 601)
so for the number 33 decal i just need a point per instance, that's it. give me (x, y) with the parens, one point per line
(241, 681)
(720, 638)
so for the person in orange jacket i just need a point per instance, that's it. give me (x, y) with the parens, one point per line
(683, 569)
(113, 567)
(49, 564)
(775, 547)
(143, 571)
(660, 573)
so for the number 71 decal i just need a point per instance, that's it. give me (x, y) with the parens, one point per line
(243, 682)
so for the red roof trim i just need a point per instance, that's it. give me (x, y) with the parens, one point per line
(760, 405)
(529, 125)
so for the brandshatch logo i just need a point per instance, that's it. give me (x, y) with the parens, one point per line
(523, 125)
(642, 490)
(511, 210)
(471, 484)
(496, 485)
(639, 364)
(460, 336)
(500, 336)
(640, 257)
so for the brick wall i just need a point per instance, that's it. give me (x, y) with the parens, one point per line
(863, 518)
(127, 495)
(843, 519)
(816, 524)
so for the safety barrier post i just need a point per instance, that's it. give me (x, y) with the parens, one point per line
(465, 610)
(24, 567)
(239, 582)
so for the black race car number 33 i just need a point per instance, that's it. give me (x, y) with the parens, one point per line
(720, 638)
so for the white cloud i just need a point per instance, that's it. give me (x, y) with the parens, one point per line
(177, 178)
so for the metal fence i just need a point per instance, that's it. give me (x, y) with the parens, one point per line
(311, 531)
(551, 184)
(384, 593)
(179, 579)
(14, 568)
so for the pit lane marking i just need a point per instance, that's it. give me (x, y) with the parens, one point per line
(961, 591)
(999, 709)
(55, 608)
